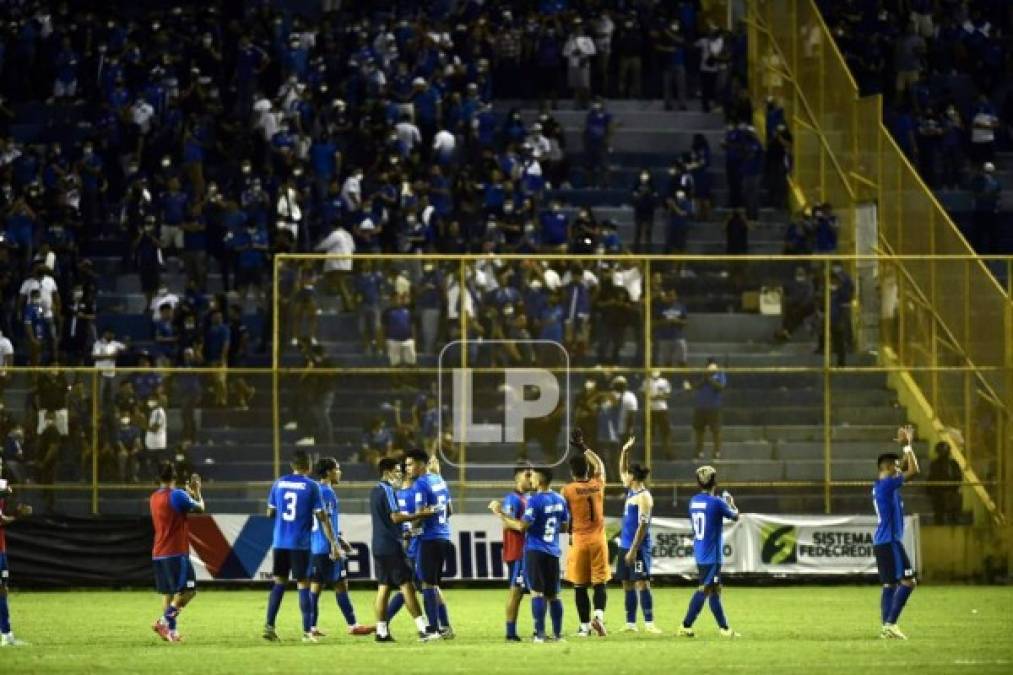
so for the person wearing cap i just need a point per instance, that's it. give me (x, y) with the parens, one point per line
(707, 513)
(707, 409)
(987, 191)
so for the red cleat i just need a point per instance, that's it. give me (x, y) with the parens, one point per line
(162, 628)
(358, 629)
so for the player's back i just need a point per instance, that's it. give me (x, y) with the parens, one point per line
(318, 540)
(631, 522)
(169, 507)
(585, 500)
(707, 514)
(294, 498)
(889, 507)
(546, 512)
(432, 491)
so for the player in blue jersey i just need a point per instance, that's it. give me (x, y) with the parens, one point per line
(545, 516)
(707, 513)
(895, 571)
(8, 514)
(434, 542)
(634, 566)
(294, 502)
(513, 506)
(324, 571)
(411, 530)
(389, 559)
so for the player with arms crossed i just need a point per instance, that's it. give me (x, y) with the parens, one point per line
(389, 559)
(587, 561)
(7, 638)
(434, 548)
(170, 554)
(545, 516)
(634, 566)
(707, 513)
(294, 502)
(324, 570)
(513, 506)
(895, 571)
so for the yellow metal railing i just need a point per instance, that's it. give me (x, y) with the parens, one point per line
(946, 313)
(953, 384)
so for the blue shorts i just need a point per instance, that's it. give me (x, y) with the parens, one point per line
(892, 562)
(517, 576)
(290, 560)
(709, 575)
(174, 575)
(4, 572)
(323, 570)
(541, 572)
(640, 570)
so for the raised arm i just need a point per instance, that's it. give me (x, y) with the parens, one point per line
(193, 488)
(624, 455)
(909, 462)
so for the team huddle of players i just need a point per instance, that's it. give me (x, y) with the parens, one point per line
(411, 508)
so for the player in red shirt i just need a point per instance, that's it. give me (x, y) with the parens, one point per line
(513, 506)
(7, 638)
(174, 575)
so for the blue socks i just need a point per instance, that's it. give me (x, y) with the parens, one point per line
(444, 617)
(306, 607)
(314, 609)
(900, 597)
(718, 611)
(511, 627)
(647, 604)
(5, 615)
(556, 611)
(396, 603)
(631, 606)
(695, 605)
(345, 605)
(274, 602)
(431, 600)
(170, 617)
(538, 612)
(886, 602)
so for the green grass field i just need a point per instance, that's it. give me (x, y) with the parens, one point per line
(785, 630)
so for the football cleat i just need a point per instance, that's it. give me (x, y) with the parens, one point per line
(162, 628)
(649, 627)
(538, 639)
(316, 632)
(630, 628)
(685, 632)
(447, 633)
(583, 633)
(893, 632)
(359, 629)
(8, 640)
(555, 638)
(309, 637)
(270, 634)
(513, 638)
(598, 626)
(428, 637)
(175, 637)
(728, 633)
(385, 638)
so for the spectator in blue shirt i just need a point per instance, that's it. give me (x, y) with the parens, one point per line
(555, 229)
(707, 411)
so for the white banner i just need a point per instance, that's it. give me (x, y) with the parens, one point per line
(237, 547)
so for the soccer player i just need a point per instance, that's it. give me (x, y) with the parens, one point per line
(7, 638)
(434, 547)
(634, 566)
(513, 506)
(587, 561)
(294, 502)
(895, 571)
(545, 516)
(392, 570)
(323, 570)
(412, 529)
(170, 554)
(707, 513)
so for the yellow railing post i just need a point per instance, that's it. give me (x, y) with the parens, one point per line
(648, 365)
(96, 392)
(827, 410)
(275, 365)
(462, 447)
